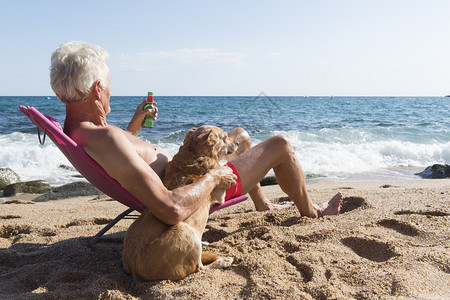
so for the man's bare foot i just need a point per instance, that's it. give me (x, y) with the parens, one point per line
(332, 207)
(273, 206)
(281, 205)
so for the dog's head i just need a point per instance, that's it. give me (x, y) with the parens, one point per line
(210, 141)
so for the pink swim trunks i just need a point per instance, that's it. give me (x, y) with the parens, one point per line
(235, 190)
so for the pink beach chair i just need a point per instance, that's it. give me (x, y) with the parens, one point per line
(91, 170)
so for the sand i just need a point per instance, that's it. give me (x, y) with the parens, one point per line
(391, 241)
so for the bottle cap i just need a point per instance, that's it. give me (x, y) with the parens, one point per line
(150, 97)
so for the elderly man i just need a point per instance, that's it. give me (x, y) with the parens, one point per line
(81, 80)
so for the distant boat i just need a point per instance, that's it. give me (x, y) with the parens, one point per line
(47, 98)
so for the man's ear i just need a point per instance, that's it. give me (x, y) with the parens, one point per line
(97, 89)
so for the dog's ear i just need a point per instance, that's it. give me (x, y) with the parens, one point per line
(203, 137)
(189, 135)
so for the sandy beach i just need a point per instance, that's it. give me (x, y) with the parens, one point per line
(390, 241)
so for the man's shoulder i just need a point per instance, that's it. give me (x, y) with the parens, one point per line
(105, 142)
(98, 136)
(108, 131)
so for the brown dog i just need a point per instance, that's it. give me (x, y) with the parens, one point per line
(154, 250)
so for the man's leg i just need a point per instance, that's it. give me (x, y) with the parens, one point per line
(261, 204)
(277, 153)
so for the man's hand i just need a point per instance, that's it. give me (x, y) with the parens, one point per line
(224, 177)
(140, 113)
(135, 124)
(139, 110)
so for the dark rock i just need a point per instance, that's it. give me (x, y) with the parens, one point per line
(70, 190)
(312, 176)
(66, 167)
(268, 180)
(271, 180)
(28, 187)
(435, 171)
(7, 177)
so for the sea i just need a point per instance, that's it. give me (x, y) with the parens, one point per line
(334, 138)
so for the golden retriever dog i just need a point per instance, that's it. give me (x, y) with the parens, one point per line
(154, 250)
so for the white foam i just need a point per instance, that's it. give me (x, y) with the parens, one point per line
(327, 159)
(333, 152)
(23, 154)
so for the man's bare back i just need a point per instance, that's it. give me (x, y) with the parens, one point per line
(90, 137)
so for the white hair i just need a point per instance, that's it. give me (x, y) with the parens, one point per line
(75, 67)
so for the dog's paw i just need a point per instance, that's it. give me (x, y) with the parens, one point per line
(218, 196)
(223, 262)
(219, 263)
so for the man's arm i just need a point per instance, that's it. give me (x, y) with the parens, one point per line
(115, 153)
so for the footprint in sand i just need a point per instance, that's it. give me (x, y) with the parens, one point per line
(292, 221)
(279, 220)
(434, 213)
(94, 221)
(8, 217)
(306, 271)
(18, 201)
(352, 203)
(47, 232)
(290, 247)
(314, 237)
(250, 223)
(401, 227)
(273, 218)
(214, 235)
(261, 232)
(370, 249)
(9, 231)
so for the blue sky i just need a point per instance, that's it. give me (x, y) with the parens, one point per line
(321, 47)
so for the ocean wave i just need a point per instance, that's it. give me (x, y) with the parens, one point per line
(22, 153)
(335, 158)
